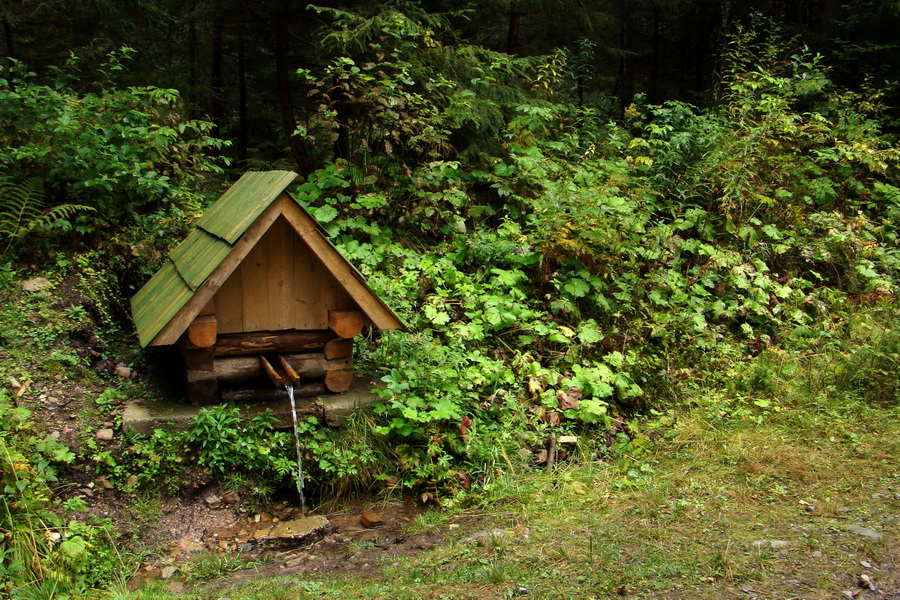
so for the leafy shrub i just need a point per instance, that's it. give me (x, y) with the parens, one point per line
(231, 445)
(120, 152)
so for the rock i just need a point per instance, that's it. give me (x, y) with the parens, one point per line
(105, 434)
(132, 481)
(567, 439)
(175, 587)
(866, 582)
(848, 595)
(297, 532)
(167, 572)
(123, 371)
(37, 284)
(779, 544)
(103, 482)
(864, 531)
(865, 564)
(482, 538)
(370, 520)
(230, 498)
(818, 554)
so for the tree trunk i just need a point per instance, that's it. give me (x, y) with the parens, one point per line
(9, 41)
(514, 31)
(624, 85)
(283, 90)
(654, 60)
(215, 79)
(242, 96)
(193, 71)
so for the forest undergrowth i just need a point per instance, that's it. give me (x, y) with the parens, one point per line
(705, 298)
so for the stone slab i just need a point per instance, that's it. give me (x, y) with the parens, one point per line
(295, 533)
(334, 409)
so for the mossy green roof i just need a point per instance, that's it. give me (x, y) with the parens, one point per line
(198, 256)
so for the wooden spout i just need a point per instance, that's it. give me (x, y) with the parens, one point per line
(290, 374)
(270, 371)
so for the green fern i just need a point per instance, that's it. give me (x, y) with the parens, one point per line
(23, 210)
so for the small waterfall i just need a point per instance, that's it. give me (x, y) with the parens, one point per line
(290, 390)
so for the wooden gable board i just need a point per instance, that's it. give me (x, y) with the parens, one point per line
(170, 331)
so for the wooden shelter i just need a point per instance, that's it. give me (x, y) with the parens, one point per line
(258, 291)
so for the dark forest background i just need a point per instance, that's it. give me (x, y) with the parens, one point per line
(235, 63)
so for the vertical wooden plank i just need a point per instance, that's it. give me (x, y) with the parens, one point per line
(254, 288)
(280, 279)
(209, 309)
(307, 308)
(229, 303)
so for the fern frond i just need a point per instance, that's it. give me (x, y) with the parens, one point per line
(23, 210)
(20, 203)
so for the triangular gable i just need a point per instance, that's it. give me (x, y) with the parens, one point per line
(198, 267)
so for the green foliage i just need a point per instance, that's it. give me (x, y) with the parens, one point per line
(118, 151)
(248, 448)
(40, 553)
(340, 462)
(586, 273)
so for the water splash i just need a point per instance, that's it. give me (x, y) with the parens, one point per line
(300, 485)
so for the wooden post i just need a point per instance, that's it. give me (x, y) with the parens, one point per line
(202, 359)
(345, 323)
(202, 388)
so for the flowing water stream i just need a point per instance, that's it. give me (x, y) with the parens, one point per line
(290, 390)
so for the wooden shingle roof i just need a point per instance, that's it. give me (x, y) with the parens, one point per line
(197, 267)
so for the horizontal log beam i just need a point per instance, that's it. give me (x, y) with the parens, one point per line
(277, 342)
(338, 348)
(307, 365)
(345, 323)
